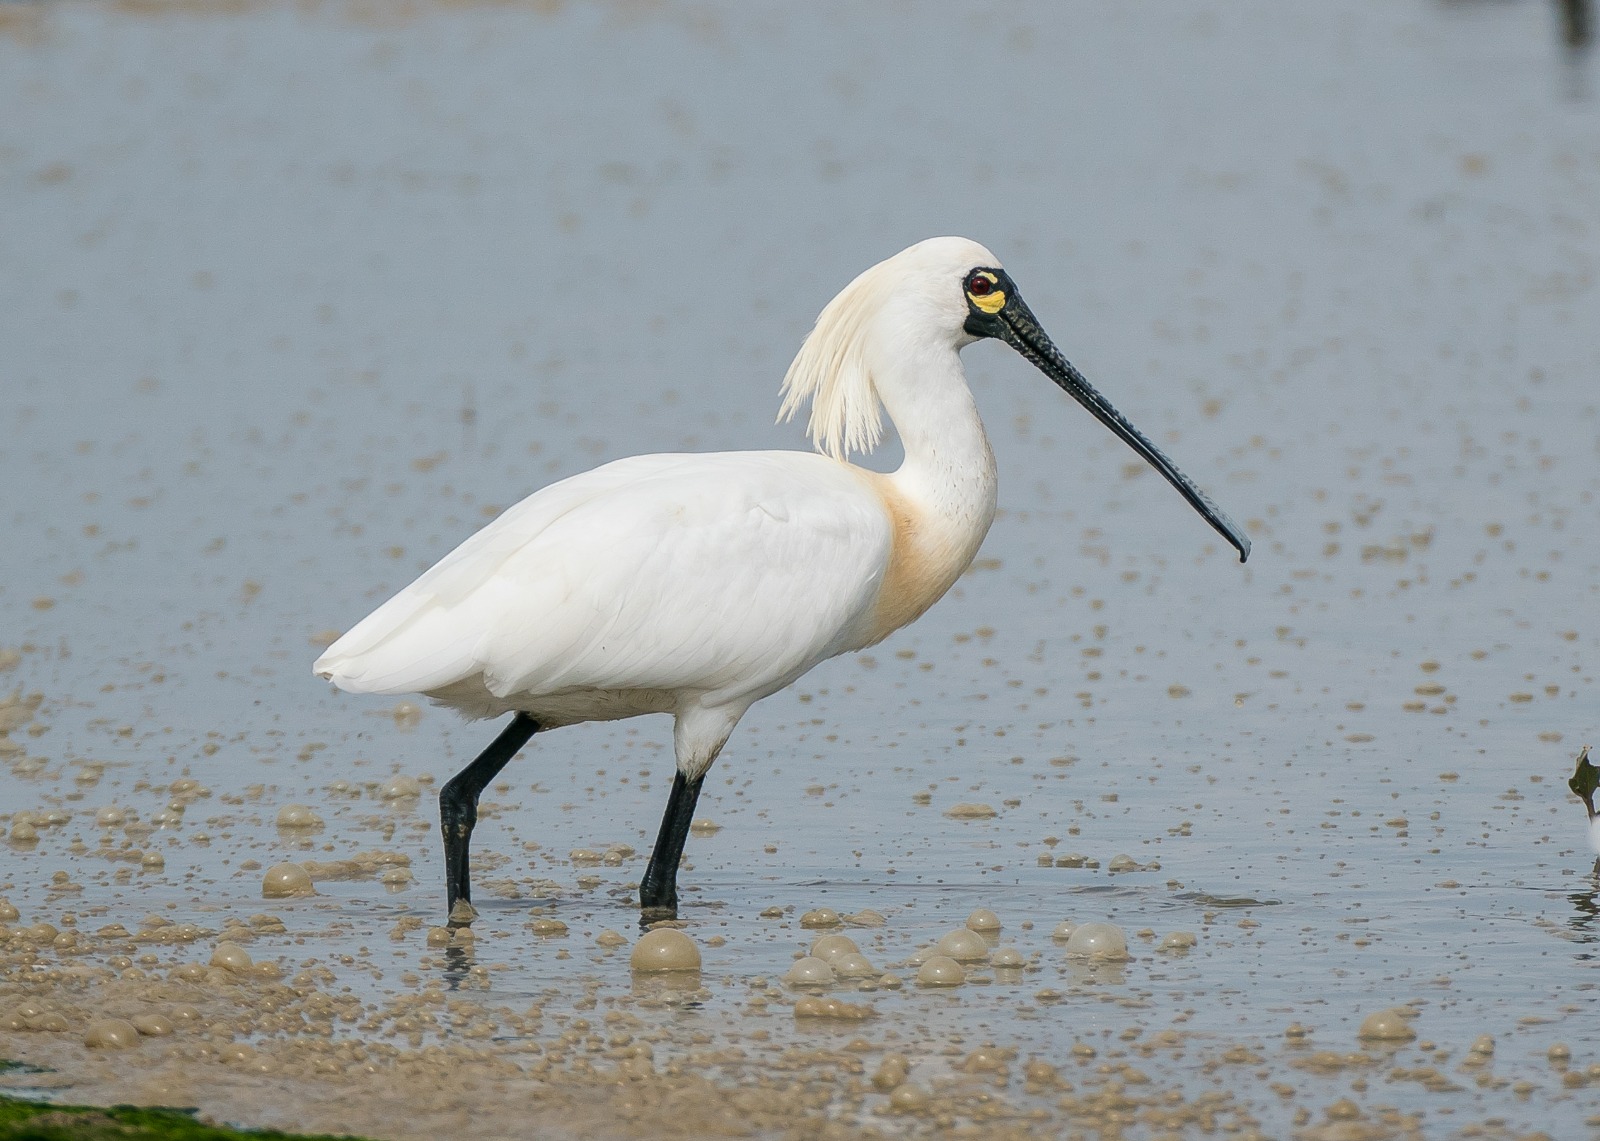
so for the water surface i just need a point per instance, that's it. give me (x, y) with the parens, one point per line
(297, 296)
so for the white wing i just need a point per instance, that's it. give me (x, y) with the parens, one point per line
(724, 574)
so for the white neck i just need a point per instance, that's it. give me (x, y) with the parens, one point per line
(949, 468)
(941, 500)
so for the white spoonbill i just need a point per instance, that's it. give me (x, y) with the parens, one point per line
(698, 584)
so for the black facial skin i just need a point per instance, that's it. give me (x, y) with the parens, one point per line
(979, 323)
(1016, 325)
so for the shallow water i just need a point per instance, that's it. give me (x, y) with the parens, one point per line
(295, 297)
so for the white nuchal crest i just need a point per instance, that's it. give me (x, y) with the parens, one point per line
(833, 372)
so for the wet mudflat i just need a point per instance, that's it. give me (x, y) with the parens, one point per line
(295, 297)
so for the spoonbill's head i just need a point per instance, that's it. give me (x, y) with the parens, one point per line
(951, 291)
(994, 308)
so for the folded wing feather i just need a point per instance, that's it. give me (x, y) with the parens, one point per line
(703, 572)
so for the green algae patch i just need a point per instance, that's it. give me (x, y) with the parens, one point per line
(35, 1121)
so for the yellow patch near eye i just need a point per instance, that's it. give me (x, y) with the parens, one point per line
(990, 303)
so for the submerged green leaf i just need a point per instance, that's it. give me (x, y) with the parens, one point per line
(1585, 780)
(37, 1121)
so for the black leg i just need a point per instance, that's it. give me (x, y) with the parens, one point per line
(458, 812)
(658, 894)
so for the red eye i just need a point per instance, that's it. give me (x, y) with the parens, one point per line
(980, 286)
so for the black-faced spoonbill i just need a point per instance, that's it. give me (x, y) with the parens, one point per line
(696, 585)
